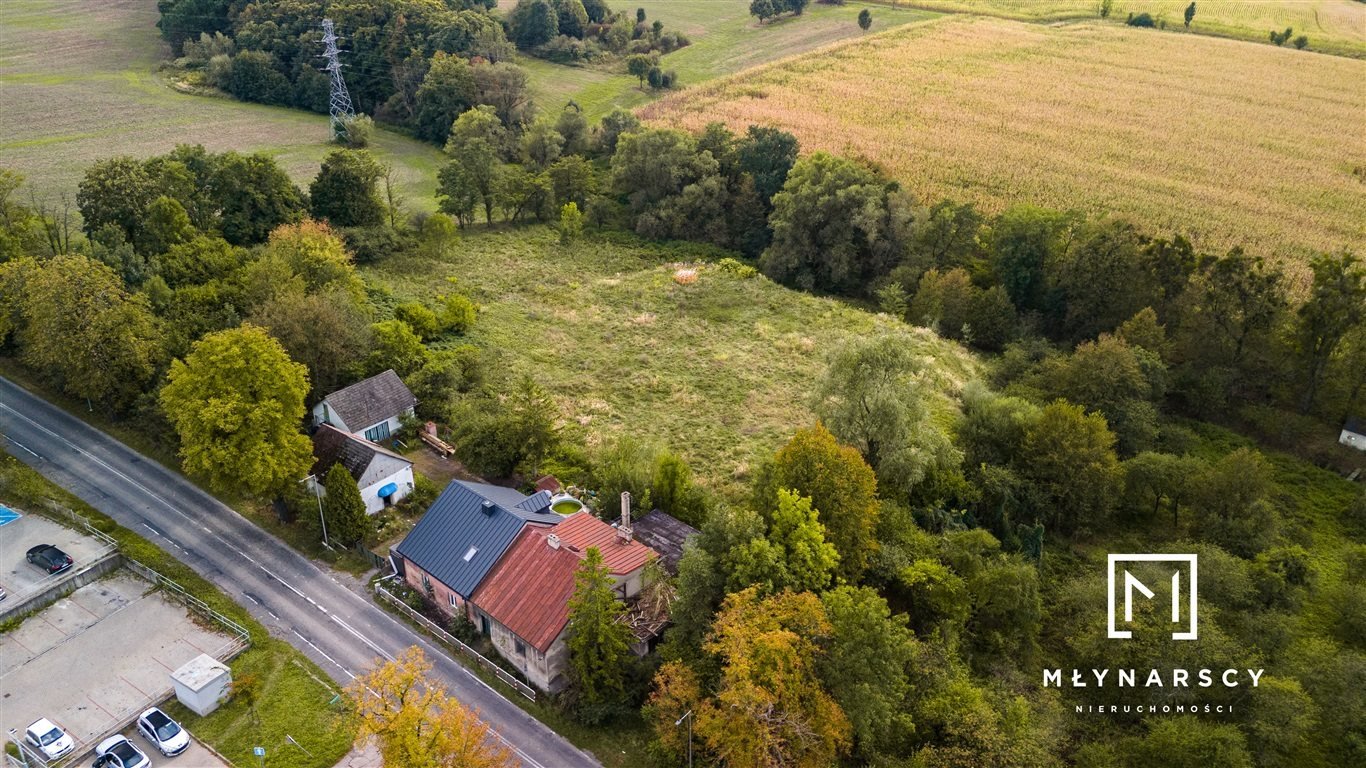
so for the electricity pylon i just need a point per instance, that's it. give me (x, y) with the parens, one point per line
(339, 105)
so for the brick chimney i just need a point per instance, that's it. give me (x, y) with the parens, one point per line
(624, 532)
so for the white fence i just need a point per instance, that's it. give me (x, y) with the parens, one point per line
(449, 639)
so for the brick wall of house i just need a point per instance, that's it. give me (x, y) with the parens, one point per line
(446, 598)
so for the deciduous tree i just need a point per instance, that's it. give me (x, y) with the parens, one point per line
(841, 486)
(770, 708)
(344, 193)
(1069, 459)
(417, 724)
(836, 227)
(83, 331)
(864, 666)
(874, 398)
(236, 402)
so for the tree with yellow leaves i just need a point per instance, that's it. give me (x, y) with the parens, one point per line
(769, 709)
(416, 724)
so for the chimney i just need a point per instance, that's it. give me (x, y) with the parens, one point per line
(553, 541)
(624, 528)
(487, 507)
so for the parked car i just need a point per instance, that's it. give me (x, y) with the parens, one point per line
(164, 733)
(46, 737)
(118, 752)
(49, 558)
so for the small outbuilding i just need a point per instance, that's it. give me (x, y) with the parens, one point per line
(1354, 434)
(666, 535)
(383, 477)
(372, 408)
(202, 684)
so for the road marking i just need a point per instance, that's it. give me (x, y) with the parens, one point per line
(362, 638)
(24, 447)
(531, 763)
(250, 597)
(159, 499)
(322, 653)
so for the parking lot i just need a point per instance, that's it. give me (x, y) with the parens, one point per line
(96, 658)
(17, 576)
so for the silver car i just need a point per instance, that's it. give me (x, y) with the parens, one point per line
(118, 752)
(164, 733)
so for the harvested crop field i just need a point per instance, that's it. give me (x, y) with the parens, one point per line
(1229, 142)
(1335, 26)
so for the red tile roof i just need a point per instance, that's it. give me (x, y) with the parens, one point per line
(582, 530)
(528, 590)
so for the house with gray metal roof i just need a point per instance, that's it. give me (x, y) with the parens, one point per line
(462, 536)
(372, 408)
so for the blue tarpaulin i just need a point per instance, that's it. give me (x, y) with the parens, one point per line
(388, 490)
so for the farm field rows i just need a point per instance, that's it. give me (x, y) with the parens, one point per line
(78, 84)
(1092, 117)
(720, 370)
(725, 39)
(1333, 26)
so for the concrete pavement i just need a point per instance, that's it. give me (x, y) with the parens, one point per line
(344, 632)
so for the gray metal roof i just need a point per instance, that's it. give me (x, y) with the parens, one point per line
(370, 401)
(467, 516)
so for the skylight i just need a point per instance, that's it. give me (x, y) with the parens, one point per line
(470, 554)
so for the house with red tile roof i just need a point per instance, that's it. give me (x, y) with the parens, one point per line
(523, 603)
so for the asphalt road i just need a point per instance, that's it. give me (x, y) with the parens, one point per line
(344, 632)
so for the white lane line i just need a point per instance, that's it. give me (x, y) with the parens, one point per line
(148, 492)
(26, 449)
(272, 614)
(156, 498)
(159, 534)
(249, 597)
(322, 653)
(362, 638)
(290, 587)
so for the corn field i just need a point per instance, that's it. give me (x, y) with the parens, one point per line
(1229, 142)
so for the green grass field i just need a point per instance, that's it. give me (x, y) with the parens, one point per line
(78, 83)
(720, 370)
(1333, 26)
(725, 39)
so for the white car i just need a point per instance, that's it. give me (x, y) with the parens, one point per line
(46, 737)
(118, 752)
(164, 733)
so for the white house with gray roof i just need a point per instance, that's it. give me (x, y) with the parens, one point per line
(372, 408)
(384, 477)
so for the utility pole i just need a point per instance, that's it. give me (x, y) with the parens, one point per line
(687, 716)
(317, 494)
(339, 105)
